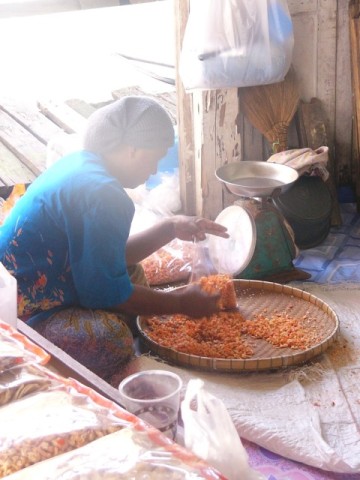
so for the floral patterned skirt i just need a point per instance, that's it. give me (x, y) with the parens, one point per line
(100, 340)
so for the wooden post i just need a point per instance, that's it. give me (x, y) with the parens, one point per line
(216, 143)
(208, 138)
(354, 13)
(184, 118)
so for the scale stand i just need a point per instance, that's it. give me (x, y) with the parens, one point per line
(274, 248)
(256, 188)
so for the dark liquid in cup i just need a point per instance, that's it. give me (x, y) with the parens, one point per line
(162, 417)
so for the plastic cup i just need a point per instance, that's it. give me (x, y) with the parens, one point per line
(153, 396)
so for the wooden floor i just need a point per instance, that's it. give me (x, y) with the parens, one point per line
(51, 88)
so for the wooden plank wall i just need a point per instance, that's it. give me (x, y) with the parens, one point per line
(217, 142)
(345, 168)
(322, 60)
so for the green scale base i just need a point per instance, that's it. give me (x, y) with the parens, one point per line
(275, 248)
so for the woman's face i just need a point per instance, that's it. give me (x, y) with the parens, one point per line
(133, 166)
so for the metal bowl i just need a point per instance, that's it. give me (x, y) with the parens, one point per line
(256, 178)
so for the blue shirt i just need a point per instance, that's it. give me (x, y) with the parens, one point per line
(65, 239)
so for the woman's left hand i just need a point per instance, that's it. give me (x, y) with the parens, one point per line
(196, 228)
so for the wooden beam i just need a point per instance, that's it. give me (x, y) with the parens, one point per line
(81, 107)
(217, 142)
(354, 14)
(326, 62)
(63, 115)
(12, 170)
(253, 144)
(16, 8)
(98, 3)
(28, 116)
(227, 140)
(343, 117)
(184, 119)
(23, 144)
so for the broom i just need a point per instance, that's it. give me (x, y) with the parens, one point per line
(270, 109)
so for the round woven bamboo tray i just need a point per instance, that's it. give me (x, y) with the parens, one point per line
(253, 297)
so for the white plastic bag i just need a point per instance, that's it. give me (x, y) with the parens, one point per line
(8, 297)
(236, 43)
(210, 433)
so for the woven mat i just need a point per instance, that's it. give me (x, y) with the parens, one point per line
(309, 414)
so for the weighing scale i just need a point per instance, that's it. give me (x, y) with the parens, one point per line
(261, 244)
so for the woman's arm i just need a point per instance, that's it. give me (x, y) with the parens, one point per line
(143, 244)
(190, 300)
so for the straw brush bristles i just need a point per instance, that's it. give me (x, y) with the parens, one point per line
(270, 108)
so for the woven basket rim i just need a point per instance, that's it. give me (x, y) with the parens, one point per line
(253, 363)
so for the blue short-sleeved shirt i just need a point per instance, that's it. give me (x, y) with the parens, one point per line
(65, 239)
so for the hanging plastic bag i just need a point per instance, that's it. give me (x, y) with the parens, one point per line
(210, 433)
(236, 43)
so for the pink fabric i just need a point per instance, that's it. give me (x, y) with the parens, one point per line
(275, 467)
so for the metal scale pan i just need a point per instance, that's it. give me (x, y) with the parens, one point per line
(256, 179)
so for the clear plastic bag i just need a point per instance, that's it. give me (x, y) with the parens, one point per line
(48, 423)
(127, 454)
(201, 265)
(20, 382)
(236, 43)
(170, 264)
(16, 350)
(210, 433)
(205, 274)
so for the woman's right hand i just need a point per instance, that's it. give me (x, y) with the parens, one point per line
(190, 300)
(194, 302)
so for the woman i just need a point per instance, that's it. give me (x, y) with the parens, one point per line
(67, 239)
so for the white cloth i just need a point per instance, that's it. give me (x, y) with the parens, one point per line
(310, 413)
(305, 160)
